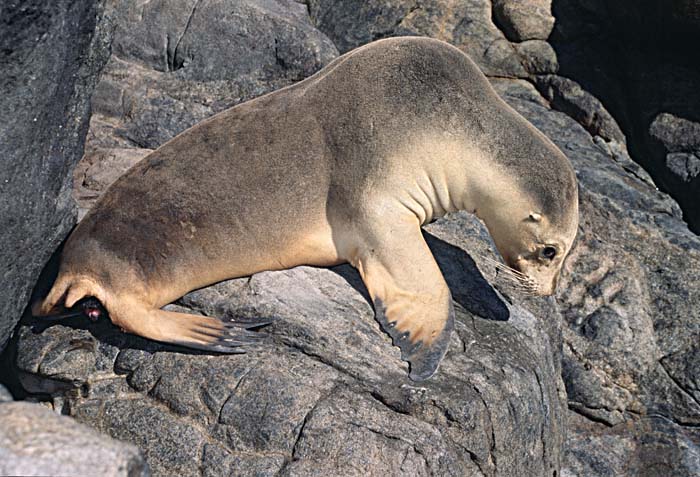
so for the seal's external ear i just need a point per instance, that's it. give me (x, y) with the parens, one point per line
(535, 217)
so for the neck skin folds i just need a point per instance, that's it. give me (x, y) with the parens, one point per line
(443, 174)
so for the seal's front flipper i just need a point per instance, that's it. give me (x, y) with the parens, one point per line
(424, 356)
(192, 331)
(411, 299)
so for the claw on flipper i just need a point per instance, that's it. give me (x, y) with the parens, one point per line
(423, 358)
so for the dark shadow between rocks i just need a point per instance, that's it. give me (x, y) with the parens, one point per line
(639, 59)
(468, 286)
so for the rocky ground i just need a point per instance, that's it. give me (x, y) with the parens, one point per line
(326, 394)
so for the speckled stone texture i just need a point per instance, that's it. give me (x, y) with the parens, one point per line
(326, 393)
(51, 55)
(35, 440)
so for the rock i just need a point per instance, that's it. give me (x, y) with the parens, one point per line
(52, 54)
(250, 40)
(36, 441)
(5, 395)
(325, 383)
(661, 448)
(638, 58)
(567, 96)
(523, 20)
(466, 24)
(538, 57)
(684, 165)
(629, 295)
(676, 134)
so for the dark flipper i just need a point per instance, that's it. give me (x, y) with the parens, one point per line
(424, 359)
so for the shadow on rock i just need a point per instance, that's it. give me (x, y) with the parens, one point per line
(468, 286)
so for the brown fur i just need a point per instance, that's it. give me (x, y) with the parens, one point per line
(343, 166)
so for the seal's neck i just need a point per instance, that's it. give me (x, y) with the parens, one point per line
(441, 174)
(492, 193)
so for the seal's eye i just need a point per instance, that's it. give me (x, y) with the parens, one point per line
(549, 253)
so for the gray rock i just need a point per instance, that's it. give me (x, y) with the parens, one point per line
(524, 19)
(675, 134)
(36, 441)
(52, 54)
(538, 57)
(652, 447)
(5, 395)
(684, 165)
(566, 95)
(466, 24)
(221, 40)
(630, 296)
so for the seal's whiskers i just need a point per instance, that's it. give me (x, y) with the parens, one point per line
(513, 277)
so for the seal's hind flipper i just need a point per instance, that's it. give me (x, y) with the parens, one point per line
(411, 299)
(192, 331)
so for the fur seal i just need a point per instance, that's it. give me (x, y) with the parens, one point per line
(344, 166)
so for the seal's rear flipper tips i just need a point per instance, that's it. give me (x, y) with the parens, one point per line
(424, 359)
(192, 331)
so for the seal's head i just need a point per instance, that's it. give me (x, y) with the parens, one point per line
(533, 223)
(534, 248)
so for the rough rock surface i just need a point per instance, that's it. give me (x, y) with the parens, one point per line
(680, 139)
(36, 441)
(567, 96)
(467, 24)
(327, 394)
(5, 395)
(51, 55)
(523, 20)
